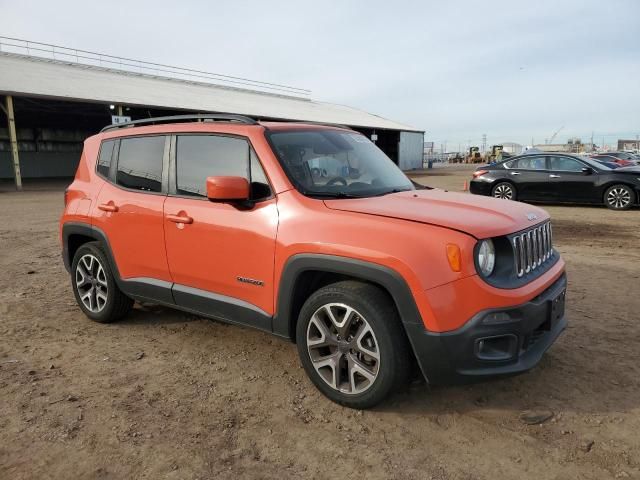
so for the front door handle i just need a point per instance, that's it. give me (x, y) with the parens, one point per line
(180, 218)
(554, 176)
(515, 173)
(108, 207)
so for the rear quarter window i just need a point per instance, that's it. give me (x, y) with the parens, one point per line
(104, 157)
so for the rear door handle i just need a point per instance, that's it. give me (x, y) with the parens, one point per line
(180, 219)
(554, 176)
(515, 173)
(108, 207)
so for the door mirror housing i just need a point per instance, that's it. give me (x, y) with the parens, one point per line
(587, 170)
(228, 189)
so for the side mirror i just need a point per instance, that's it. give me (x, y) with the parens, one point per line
(228, 189)
(587, 170)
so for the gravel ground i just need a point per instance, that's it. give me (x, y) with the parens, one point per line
(164, 394)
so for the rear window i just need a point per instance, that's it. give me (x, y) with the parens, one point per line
(140, 163)
(104, 158)
(527, 163)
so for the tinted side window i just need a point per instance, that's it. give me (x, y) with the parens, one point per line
(140, 163)
(202, 156)
(528, 163)
(566, 164)
(259, 183)
(104, 158)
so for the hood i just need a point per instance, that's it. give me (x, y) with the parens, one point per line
(482, 217)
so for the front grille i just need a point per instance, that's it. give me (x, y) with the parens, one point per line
(532, 248)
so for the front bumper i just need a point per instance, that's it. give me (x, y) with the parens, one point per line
(496, 342)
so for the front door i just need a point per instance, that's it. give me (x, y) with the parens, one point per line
(220, 255)
(130, 206)
(568, 182)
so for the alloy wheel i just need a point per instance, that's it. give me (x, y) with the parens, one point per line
(91, 283)
(619, 197)
(343, 348)
(503, 191)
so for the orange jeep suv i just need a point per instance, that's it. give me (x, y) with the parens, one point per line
(311, 233)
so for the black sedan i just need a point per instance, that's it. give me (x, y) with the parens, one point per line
(559, 178)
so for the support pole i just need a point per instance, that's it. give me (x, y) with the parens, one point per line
(14, 142)
(119, 110)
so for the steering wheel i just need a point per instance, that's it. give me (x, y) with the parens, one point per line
(335, 180)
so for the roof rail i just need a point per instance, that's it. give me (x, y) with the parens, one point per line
(220, 117)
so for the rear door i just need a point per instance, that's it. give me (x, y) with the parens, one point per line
(569, 183)
(530, 176)
(130, 207)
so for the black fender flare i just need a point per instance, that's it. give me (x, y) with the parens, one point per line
(385, 277)
(140, 289)
(86, 230)
(390, 280)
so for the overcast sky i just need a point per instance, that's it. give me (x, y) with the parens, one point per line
(514, 70)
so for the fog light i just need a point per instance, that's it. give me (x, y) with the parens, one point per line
(496, 317)
(501, 347)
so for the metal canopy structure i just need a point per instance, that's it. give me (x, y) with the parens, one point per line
(31, 76)
(51, 73)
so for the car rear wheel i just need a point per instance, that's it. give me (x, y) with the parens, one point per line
(352, 345)
(619, 197)
(504, 190)
(94, 285)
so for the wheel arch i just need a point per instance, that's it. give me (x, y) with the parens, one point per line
(74, 235)
(305, 273)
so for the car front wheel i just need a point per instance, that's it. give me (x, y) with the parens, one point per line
(619, 197)
(352, 344)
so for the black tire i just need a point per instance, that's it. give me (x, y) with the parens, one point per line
(116, 305)
(619, 197)
(375, 309)
(504, 190)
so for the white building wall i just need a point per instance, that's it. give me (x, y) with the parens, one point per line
(410, 150)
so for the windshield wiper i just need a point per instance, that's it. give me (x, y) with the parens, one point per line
(332, 195)
(393, 190)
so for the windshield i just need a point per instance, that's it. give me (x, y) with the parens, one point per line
(336, 163)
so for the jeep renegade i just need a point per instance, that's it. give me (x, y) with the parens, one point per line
(313, 234)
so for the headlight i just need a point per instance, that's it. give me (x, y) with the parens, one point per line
(486, 257)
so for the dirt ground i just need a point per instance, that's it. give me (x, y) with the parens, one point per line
(164, 394)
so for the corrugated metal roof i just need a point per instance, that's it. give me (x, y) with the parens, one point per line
(32, 76)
